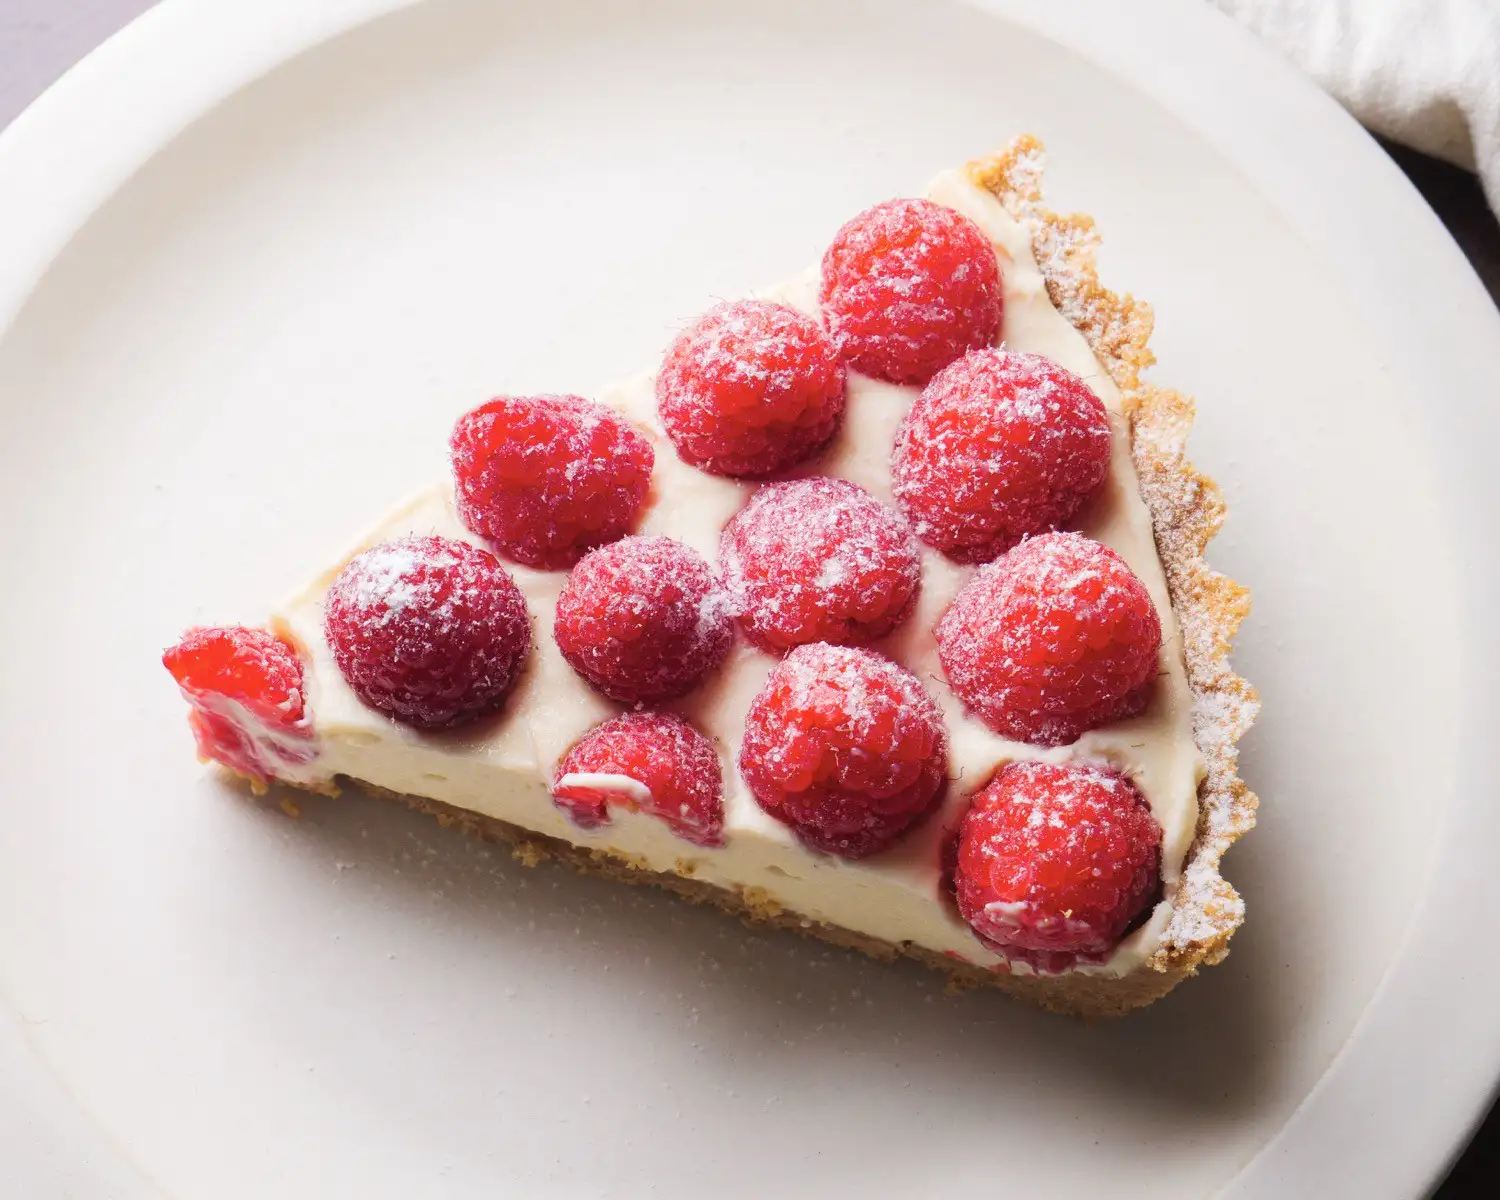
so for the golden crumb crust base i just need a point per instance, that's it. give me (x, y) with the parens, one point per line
(1186, 511)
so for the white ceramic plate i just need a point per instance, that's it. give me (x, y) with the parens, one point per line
(254, 259)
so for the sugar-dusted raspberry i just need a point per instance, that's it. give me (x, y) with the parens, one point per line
(1055, 862)
(909, 286)
(548, 478)
(818, 560)
(845, 747)
(245, 689)
(643, 619)
(646, 762)
(999, 446)
(750, 388)
(1052, 639)
(430, 630)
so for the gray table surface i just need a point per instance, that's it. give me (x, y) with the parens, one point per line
(40, 39)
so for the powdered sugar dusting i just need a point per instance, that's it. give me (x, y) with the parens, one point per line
(1054, 861)
(872, 687)
(429, 629)
(846, 747)
(999, 446)
(746, 351)
(908, 286)
(643, 619)
(547, 478)
(1051, 640)
(394, 576)
(387, 583)
(750, 388)
(819, 560)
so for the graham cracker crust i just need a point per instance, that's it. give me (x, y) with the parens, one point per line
(1186, 510)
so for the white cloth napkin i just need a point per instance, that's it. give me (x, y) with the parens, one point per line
(1422, 72)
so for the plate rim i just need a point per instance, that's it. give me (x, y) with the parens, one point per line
(1403, 1095)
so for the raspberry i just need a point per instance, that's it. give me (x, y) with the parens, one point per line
(643, 619)
(430, 630)
(245, 689)
(818, 560)
(548, 478)
(845, 747)
(645, 762)
(998, 447)
(1055, 862)
(1052, 639)
(750, 388)
(909, 286)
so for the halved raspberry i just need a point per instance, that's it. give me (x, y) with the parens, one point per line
(1052, 639)
(845, 747)
(245, 689)
(750, 388)
(643, 619)
(429, 630)
(548, 478)
(999, 446)
(645, 762)
(1055, 862)
(818, 560)
(909, 286)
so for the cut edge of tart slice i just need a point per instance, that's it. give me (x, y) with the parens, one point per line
(1172, 936)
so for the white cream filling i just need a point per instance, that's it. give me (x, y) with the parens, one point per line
(286, 754)
(624, 786)
(500, 766)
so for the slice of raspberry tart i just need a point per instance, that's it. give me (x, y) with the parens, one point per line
(876, 611)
